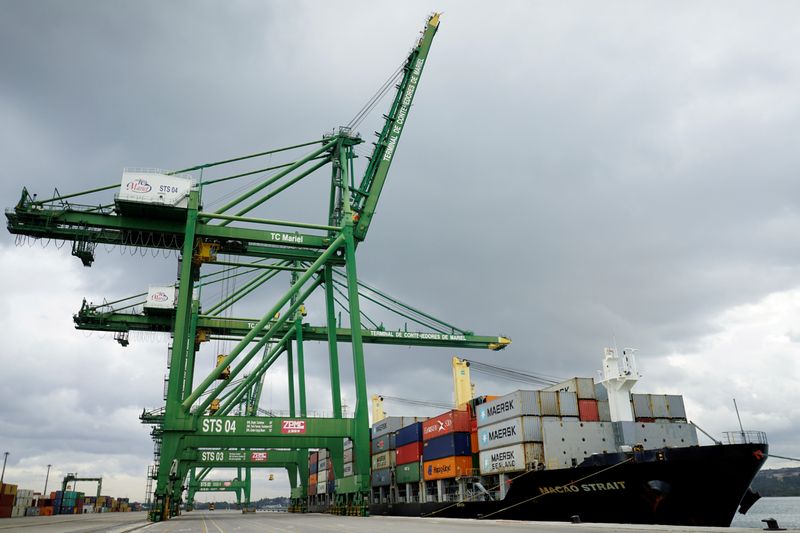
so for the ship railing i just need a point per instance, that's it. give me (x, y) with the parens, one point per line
(745, 437)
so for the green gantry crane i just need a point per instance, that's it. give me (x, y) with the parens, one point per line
(164, 211)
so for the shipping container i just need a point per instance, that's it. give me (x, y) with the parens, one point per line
(515, 458)
(348, 469)
(407, 473)
(676, 407)
(568, 404)
(449, 422)
(391, 424)
(511, 431)
(604, 410)
(548, 403)
(473, 441)
(517, 403)
(641, 406)
(447, 467)
(588, 410)
(313, 458)
(409, 434)
(348, 444)
(383, 443)
(385, 459)
(583, 387)
(331, 487)
(446, 446)
(409, 453)
(600, 392)
(382, 478)
(322, 476)
(155, 188)
(323, 464)
(312, 479)
(348, 455)
(313, 467)
(658, 405)
(323, 454)
(312, 488)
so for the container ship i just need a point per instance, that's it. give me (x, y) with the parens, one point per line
(577, 451)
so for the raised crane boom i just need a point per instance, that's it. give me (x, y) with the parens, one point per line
(365, 198)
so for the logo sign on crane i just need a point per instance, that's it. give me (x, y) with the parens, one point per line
(293, 426)
(258, 456)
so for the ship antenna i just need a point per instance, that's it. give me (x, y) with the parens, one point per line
(741, 428)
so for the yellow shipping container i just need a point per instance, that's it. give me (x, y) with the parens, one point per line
(448, 467)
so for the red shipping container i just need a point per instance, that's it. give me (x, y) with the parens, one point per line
(5, 511)
(409, 453)
(444, 424)
(7, 500)
(587, 411)
(473, 441)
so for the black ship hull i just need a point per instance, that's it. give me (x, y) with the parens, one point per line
(693, 486)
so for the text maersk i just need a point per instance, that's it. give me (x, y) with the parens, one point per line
(502, 407)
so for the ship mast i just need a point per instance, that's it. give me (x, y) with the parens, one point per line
(619, 377)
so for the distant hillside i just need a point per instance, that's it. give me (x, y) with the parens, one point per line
(778, 482)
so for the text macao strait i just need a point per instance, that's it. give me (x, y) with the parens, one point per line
(583, 487)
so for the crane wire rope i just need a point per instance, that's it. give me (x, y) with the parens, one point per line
(375, 98)
(512, 374)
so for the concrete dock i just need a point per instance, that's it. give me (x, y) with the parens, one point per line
(236, 522)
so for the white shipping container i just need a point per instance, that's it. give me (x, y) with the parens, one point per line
(508, 432)
(391, 424)
(161, 297)
(322, 487)
(568, 403)
(348, 469)
(604, 410)
(641, 405)
(348, 455)
(583, 387)
(155, 188)
(385, 459)
(548, 400)
(658, 404)
(322, 475)
(322, 464)
(515, 458)
(676, 407)
(323, 454)
(517, 403)
(348, 444)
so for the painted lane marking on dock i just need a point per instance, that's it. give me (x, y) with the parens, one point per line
(216, 526)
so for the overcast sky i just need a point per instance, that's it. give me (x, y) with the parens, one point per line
(572, 176)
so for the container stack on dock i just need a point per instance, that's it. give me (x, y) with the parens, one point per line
(321, 480)
(408, 471)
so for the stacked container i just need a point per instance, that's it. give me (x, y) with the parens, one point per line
(348, 458)
(510, 428)
(652, 407)
(8, 494)
(408, 454)
(446, 451)
(313, 463)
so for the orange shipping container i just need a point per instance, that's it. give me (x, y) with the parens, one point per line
(473, 441)
(449, 467)
(312, 479)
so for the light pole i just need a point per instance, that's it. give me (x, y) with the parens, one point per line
(46, 479)
(5, 458)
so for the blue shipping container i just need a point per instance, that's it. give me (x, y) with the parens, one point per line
(409, 434)
(312, 468)
(382, 478)
(446, 446)
(331, 486)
